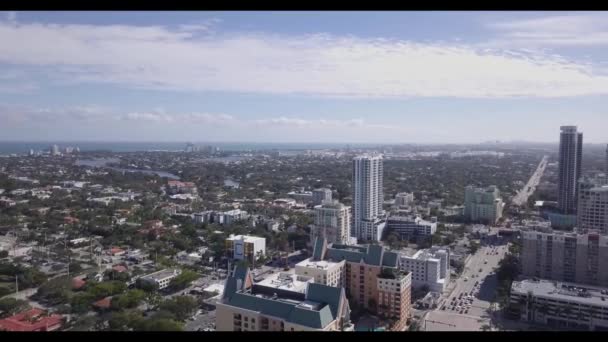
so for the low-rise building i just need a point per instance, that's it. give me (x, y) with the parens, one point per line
(561, 305)
(319, 196)
(326, 272)
(410, 227)
(162, 278)
(32, 320)
(301, 196)
(403, 199)
(245, 247)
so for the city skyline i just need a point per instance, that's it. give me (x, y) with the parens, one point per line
(291, 77)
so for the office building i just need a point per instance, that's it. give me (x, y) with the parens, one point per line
(569, 169)
(592, 212)
(332, 221)
(404, 199)
(368, 198)
(321, 195)
(410, 227)
(301, 196)
(430, 267)
(563, 256)
(276, 306)
(163, 278)
(483, 205)
(54, 150)
(560, 305)
(244, 247)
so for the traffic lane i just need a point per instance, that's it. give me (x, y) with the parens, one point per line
(205, 320)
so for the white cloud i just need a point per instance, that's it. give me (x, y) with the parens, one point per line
(183, 59)
(553, 31)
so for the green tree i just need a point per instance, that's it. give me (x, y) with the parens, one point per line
(106, 288)
(81, 302)
(54, 291)
(128, 300)
(183, 280)
(11, 306)
(180, 306)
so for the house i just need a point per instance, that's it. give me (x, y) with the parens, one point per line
(103, 304)
(78, 283)
(32, 320)
(120, 268)
(116, 251)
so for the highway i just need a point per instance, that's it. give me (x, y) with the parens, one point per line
(522, 196)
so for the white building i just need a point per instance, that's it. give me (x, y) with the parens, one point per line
(483, 205)
(332, 221)
(428, 267)
(593, 205)
(408, 227)
(404, 199)
(368, 197)
(321, 195)
(301, 196)
(162, 278)
(322, 271)
(287, 281)
(245, 247)
(560, 305)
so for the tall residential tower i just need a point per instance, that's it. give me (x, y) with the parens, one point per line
(368, 197)
(570, 158)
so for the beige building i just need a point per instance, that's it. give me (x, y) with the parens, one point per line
(247, 306)
(593, 205)
(332, 221)
(323, 271)
(571, 257)
(245, 247)
(483, 205)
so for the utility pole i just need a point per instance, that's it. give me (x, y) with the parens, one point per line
(16, 284)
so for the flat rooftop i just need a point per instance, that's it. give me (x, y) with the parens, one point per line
(286, 281)
(160, 275)
(319, 264)
(571, 292)
(246, 238)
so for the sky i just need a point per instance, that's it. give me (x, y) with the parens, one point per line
(359, 77)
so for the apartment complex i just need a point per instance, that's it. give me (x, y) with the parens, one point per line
(483, 205)
(593, 205)
(571, 257)
(430, 267)
(245, 247)
(332, 221)
(560, 305)
(249, 306)
(372, 279)
(410, 227)
(321, 195)
(368, 198)
(569, 169)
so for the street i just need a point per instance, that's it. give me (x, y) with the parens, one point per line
(466, 309)
(522, 196)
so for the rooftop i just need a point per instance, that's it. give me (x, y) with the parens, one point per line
(319, 264)
(246, 238)
(31, 320)
(163, 274)
(286, 281)
(583, 294)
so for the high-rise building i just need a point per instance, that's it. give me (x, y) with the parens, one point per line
(321, 195)
(368, 197)
(606, 166)
(580, 257)
(570, 159)
(592, 210)
(54, 150)
(332, 221)
(483, 205)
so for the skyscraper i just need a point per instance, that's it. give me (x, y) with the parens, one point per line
(570, 158)
(606, 166)
(368, 197)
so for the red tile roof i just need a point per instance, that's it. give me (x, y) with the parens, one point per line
(32, 320)
(78, 283)
(104, 303)
(119, 268)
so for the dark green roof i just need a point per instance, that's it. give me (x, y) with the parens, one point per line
(371, 255)
(345, 254)
(390, 259)
(317, 252)
(325, 294)
(374, 255)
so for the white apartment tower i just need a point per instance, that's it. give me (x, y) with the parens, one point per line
(367, 197)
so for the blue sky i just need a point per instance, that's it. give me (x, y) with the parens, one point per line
(382, 77)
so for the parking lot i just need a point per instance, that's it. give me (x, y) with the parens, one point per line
(467, 307)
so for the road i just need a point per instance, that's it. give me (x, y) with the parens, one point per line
(473, 317)
(522, 196)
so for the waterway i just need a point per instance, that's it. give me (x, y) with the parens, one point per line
(103, 163)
